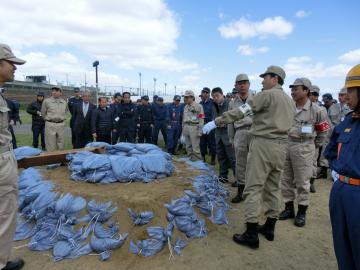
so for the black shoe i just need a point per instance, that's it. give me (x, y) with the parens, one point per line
(212, 160)
(204, 158)
(312, 186)
(300, 218)
(14, 265)
(223, 180)
(289, 211)
(249, 238)
(268, 229)
(239, 196)
(322, 173)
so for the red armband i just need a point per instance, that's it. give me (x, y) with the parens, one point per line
(322, 127)
(201, 116)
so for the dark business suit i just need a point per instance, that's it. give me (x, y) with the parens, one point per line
(82, 124)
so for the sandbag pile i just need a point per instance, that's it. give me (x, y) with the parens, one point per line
(122, 162)
(26, 151)
(159, 237)
(48, 219)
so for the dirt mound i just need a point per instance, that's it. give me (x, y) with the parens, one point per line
(293, 248)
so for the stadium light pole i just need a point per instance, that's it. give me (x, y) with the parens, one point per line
(154, 86)
(140, 82)
(165, 84)
(95, 65)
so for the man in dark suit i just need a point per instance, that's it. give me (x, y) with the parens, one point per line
(82, 113)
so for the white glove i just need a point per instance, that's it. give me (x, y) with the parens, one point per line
(245, 109)
(209, 127)
(182, 139)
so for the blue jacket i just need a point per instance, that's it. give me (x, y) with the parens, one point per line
(174, 114)
(345, 140)
(208, 109)
(159, 112)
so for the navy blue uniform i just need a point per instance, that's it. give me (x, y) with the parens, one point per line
(174, 123)
(159, 116)
(343, 153)
(38, 124)
(72, 102)
(145, 122)
(207, 141)
(114, 108)
(127, 122)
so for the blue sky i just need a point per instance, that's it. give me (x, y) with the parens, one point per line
(189, 44)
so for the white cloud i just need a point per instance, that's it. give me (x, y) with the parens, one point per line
(302, 13)
(351, 56)
(247, 50)
(221, 16)
(130, 34)
(244, 28)
(304, 66)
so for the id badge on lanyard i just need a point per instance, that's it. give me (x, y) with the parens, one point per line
(307, 129)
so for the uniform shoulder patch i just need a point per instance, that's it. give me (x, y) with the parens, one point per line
(347, 130)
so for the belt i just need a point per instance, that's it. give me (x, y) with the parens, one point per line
(57, 122)
(276, 140)
(301, 140)
(243, 128)
(349, 180)
(4, 149)
(191, 124)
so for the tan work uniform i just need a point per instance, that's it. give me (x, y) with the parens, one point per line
(240, 137)
(318, 145)
(8, 186)
(193, 121)
(273, 116)
(309, 129)
(54, 110)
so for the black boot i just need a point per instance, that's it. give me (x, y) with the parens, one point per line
(249, 238)
(204, 158)
(322, 173)
(212, 160)
(268, 229)
(239, 196)
(14, 265)
(312, 186)
(300, 216)
(289, 211)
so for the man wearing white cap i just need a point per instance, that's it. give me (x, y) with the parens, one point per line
(8, 167)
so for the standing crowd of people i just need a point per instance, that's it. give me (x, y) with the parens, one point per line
(275, 146)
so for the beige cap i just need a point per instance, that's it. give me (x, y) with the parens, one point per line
(315, 89)
(303, 82)
(274, 70)
(242, 77)
(7, 54)
(343, 91)
(189, 93)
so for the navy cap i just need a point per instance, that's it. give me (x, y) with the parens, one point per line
(76, 89)
(206, 90)
(40, 93)
(155, 96)
(117, 94)
(234, 91)
(177, 97)
(160, 99)
(327, 96)
(145, 97)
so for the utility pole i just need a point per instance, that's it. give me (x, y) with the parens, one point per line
(154, 86)
(165, 84)
(95, 65)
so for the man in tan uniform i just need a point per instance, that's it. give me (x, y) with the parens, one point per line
(239, 134)
(309, 129)
(54, 111)
(273, 115)
(193, 121)
(8, 167)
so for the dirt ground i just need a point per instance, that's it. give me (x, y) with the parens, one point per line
(294, 248)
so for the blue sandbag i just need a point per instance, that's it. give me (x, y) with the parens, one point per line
(156, 163)
(26, 151)
(141, 218)
(29, 177)
(102, 211)
(96, 162)
(126, 169)
(99, 144)
(179, 245)
(103, 244)
(124, 147)
(146, 147)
